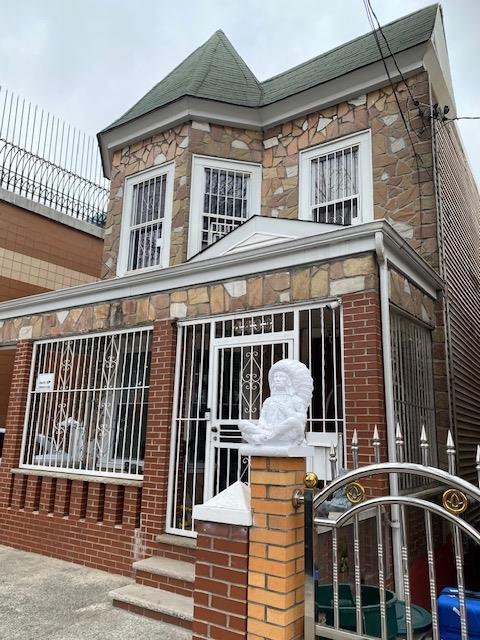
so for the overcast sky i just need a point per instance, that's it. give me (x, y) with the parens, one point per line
(88, 61)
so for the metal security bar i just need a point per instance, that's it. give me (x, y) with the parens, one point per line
(413, 393)
(335, 190)
(87, 404)
(225, 203)
(48, 161)
(222, 377)
(348, 570)
(148, 213)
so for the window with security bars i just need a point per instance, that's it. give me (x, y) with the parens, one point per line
(225, 193)
(225, 203)
(336, 182)
(146, 220)
(413, 392)
(335, 187)
(87, 404)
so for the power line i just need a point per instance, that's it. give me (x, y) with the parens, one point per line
(379, 26)
(417, 157)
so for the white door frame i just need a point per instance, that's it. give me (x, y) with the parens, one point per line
(213, 424)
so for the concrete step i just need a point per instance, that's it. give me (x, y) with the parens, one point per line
(167, 567)
(175, 547)
(169, 607)
(165, 573)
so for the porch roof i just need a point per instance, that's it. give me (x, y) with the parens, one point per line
(298, 251)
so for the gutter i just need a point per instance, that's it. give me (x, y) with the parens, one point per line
(389, 409)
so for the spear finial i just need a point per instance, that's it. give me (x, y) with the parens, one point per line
(451, 453)
(399, 443)
(333, 461)
(376, 445)
(424, 446)
(355, 449)
(477, 460)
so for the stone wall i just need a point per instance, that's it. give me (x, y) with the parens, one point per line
(401, 193)
(176, 144)
(409, 298)
(314, 282)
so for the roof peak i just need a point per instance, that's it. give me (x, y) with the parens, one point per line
(216, 71)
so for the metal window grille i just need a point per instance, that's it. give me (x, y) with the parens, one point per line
(147, 223)
(87, 405)
(335, 191)
(413, 393)
(225, 203)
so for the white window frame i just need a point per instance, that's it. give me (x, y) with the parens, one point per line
(167, 169)
(60, 403)
(364, 142)
(199, 164)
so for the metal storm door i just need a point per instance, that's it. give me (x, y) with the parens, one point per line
(238, 388)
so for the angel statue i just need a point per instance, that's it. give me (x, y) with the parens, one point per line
(284, 413)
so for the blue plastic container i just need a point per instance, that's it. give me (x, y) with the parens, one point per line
(449, 614)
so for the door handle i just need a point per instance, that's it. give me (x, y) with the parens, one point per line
(214, 429)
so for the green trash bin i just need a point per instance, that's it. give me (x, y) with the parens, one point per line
(370, 609)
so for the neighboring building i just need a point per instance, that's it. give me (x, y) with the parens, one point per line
(51, 219)
(248, 221)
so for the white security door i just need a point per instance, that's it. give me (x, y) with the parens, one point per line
(239, 386)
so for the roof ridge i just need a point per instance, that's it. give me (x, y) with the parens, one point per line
(344, 44)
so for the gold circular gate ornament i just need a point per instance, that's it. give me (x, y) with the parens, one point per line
(355, 492)
(455, 501)
(310, 480)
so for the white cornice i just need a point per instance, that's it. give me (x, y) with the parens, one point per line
(344, 87)
(286, 255)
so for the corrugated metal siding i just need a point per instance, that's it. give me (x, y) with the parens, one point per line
(460, 265)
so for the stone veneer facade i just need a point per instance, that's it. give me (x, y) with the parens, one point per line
(401, 194)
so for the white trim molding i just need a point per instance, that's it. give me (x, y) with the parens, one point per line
(168, 170)
(365, 177)
(197, 192)
(313, 249)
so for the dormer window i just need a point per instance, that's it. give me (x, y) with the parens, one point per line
(336, 181)
(224, 194)
(146, 220)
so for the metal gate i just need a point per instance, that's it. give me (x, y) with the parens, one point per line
(350, 586)
(239, 386)
(221, 378)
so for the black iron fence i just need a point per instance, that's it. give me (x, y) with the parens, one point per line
(48, 161)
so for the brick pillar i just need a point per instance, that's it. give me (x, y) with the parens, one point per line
(363, 366)
(159, 418)
(15, 417)
(276, 568)
(221, 575)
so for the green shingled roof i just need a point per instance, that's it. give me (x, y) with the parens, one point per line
(215, 71)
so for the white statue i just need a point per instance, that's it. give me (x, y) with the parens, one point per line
(284, 413)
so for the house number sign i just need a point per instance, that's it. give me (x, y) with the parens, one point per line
(45, 382)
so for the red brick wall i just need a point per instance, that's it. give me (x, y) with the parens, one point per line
(93, 523)
(221, 578)
(159, 419)
(364, 387)
(39, 237)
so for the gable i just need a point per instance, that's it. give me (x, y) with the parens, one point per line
(259, 232)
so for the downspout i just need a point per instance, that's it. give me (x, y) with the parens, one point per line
(389, 409)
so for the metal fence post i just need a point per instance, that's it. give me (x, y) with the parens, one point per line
(309, 631)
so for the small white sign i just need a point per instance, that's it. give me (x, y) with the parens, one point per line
(45, 382)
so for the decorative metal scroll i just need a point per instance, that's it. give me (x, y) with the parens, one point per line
(448, 498)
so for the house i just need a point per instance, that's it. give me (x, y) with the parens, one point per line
(327, 214)
(51, 216)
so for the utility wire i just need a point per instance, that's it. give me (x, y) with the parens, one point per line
(402, 115)
(379, 26)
